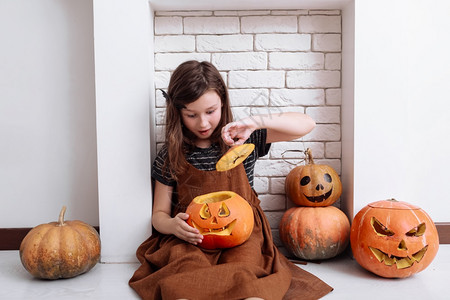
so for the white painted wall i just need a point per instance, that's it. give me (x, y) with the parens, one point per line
(47, 112)
(380, 117)
(401, 104)
(123, 48)
(428, 107)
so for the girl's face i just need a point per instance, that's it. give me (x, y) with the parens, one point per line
(202, 116)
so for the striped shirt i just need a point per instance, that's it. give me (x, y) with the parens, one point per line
(205, 159)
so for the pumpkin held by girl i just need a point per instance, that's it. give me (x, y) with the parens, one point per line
(224, 219)
(393, 239)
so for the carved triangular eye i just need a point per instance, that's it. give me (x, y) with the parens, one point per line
(380, 229)
(223, 211)
(204, 212)
(417, 231)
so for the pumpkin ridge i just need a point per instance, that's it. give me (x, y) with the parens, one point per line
(43, 266)
(60, 239)
(82, 237)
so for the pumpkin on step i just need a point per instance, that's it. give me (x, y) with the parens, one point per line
(62, 249)
(393, 239)
(224, 219)
(313, 184)
(314, 233)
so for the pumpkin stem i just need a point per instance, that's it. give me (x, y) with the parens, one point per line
(308, 157)
(61, 216)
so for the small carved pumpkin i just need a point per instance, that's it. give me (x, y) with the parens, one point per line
(393, 239)
(62, 249)
(224, 219)
(234, 156)
(314, 233)
(313, 184)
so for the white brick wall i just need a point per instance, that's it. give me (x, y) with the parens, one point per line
(281, 60)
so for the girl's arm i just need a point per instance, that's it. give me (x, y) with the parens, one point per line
(164, 223)
(284, 126)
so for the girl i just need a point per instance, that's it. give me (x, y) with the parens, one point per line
(199, 130)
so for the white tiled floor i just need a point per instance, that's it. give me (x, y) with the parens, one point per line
(110, 281)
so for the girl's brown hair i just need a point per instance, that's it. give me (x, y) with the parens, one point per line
(190, 81)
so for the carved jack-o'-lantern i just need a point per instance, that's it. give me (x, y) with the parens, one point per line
(393, 239)
(313, 184)
(224, 219)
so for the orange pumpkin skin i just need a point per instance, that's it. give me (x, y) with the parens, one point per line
(315, 233)
(62, 249)
(313, 184)
(393, 239)
(224, 219)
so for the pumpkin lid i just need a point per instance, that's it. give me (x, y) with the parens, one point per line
(234, 156)
(393, 204)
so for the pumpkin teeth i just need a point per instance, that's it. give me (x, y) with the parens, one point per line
(419, 254)
(380, 255)
(404, 263)
(399, 261)
(226, 230)
(320, 198)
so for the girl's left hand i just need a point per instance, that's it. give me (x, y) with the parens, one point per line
(236, 133)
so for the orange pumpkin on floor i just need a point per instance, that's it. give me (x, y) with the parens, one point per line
(62, 249)
(314, 233)
(393, 239)
(313, 184)
(224, 219)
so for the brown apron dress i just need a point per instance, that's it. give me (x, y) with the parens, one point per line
(174, 269)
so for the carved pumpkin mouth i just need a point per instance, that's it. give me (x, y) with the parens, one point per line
(226, 230)
(319, 198)
(399, 261)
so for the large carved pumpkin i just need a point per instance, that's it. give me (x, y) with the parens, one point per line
(62, 249)
(224, 219)
(313, 184)
(393, 239)
(315, 233)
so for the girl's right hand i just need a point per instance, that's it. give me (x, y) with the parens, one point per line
(184, 231)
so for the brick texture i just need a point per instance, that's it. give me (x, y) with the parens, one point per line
(272, 61)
